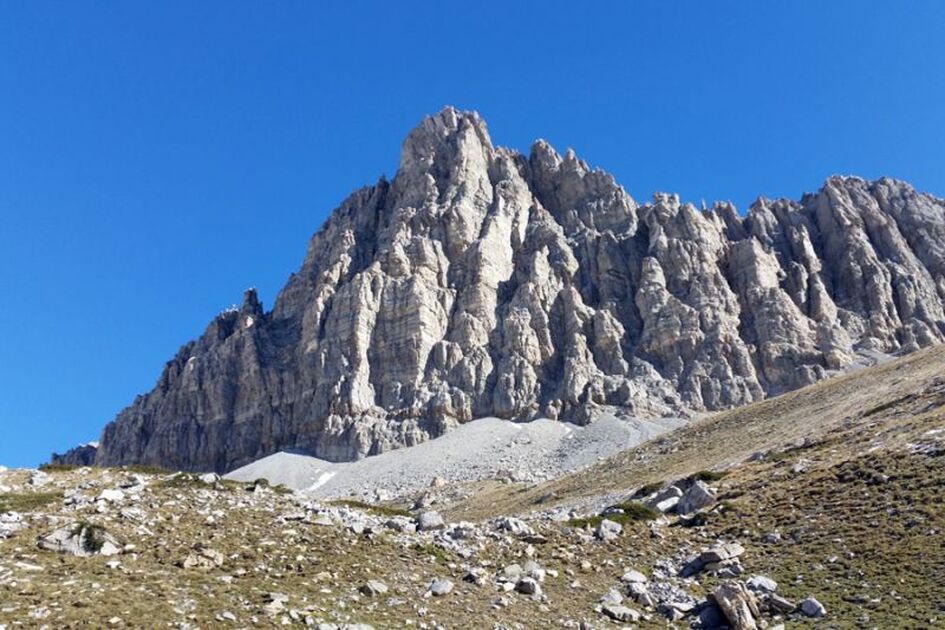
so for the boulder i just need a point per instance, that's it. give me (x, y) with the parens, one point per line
(761, 583)
(696, 497)
(608, 530)
(812, 608)
(428, 521)
(372, 588)
(633, 577)
(528, 586)
(80, 539)
(440, 587)
(738, 605)
(620, 613)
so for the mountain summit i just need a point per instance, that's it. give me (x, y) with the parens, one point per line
(482, 282)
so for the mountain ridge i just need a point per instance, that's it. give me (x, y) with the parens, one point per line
(483, 282)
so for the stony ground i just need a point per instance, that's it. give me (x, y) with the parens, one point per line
(487, 448)
(849, 515)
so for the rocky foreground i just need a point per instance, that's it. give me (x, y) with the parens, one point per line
(481, 282)
(839, 528)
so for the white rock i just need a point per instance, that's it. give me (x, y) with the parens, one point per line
(762, 583)
(111, 496)
(608, 530)
(439, 588)
(633, 577)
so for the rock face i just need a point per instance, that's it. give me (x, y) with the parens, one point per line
(82, 455)
(482, 282)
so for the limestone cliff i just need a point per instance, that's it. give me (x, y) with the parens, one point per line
(482, 282)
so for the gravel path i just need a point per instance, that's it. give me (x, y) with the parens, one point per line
(482, 449)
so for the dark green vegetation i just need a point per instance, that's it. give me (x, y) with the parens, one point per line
(91, 535)
(622, 513)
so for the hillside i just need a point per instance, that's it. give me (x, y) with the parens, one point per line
(830, 492)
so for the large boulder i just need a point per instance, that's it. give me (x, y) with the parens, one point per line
(696, 497)
(738, 605)
(80, 539)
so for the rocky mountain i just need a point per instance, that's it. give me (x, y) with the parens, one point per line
(482, 282)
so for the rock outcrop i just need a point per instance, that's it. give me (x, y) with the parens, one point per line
(482, 282)
(82, 455)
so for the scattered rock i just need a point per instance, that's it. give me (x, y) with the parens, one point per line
(738, 605)
(439, 588)
(428, 521)
(608, 530)
(697, 497)
(111, 496)
(528, 586)
(621, 613)
(203, 558)
(812, 608)
(762, 583)
(80, 539)
(209, 478)
(372, 588)
(633, 577)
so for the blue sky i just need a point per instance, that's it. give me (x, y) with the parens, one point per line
(157, 158)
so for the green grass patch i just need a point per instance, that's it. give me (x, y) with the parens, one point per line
(630, 513)
(429, 550)
(186, 480)
(888, 405)
(648, 489)
(708, 476)
(92, 536)
(27, 501)
(143, 469)
(57, 467)
(382, 510)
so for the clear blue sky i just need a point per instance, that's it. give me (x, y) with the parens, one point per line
(156, 158)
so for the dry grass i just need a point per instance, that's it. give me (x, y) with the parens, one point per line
(720, 441)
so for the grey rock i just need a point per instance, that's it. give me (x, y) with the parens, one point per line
(738, 605)
(762, 583)
(621, 613)
(82, 455)
(696, 497)
(482, 282)
(778, 604)
(608, 530)
(721, 553)
(439, 588)
(430, 521)
(812, 608)
(372, 588)
(80, 539)
(528, 586)
(633, 577)
(613, 596)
